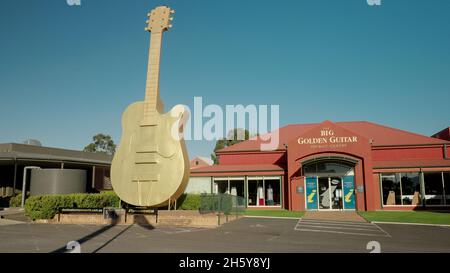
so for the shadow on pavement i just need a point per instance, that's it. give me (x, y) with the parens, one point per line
(140, 220)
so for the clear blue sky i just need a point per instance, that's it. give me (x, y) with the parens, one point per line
(67, 73)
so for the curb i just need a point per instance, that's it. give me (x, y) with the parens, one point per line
(414, 224)
(272, 217)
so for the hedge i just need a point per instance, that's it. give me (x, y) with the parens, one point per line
(15, 201)
(46, 206)
(188, 202)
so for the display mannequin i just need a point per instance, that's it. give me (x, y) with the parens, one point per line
(270, 196)
(260, 196)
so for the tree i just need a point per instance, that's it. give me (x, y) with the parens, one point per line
(101, 144)
(234, 136)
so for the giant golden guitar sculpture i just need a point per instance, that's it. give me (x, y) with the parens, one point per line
(151, 165)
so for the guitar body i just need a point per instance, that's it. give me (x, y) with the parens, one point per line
(151, 164)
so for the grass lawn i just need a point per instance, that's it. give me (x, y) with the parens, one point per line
(274, 213)
(425, 217)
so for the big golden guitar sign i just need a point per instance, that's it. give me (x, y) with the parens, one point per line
(327, 136)
(151, 166)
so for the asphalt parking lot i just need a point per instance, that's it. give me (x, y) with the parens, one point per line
(244, 235)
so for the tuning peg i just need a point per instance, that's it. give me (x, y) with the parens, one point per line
(148, 14)
(147, 22)
(172, 11)
(170, 26)
(170, 18)
(146, 29)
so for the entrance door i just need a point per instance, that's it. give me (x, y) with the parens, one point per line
(336, 193)
(324, 193)
(330, 193)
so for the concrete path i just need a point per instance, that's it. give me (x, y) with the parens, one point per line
(7, 222)
(351, 216)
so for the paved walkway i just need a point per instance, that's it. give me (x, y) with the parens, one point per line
(340, 227)
(8, 222)
(10, 211)
(350, 216)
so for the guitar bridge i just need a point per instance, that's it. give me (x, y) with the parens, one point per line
(146, 158)
(146, 178)
(145, 166)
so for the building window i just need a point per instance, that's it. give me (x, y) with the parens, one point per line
(328, 168)
(272, 192)
(232, 185)
(447, 187)
(237, 187)
(434, 188)
(264, 191)
(255, 192)
(410, 186)
(406, 188)
(391, 189)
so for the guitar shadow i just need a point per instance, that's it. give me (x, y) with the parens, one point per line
(141, 220)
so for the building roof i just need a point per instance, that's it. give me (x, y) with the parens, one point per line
(200, 161)
(381, 136)
(16, 151)
(443, 134)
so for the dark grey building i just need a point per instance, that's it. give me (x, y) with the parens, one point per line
(15, 157)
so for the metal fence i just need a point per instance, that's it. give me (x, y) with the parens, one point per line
(222, 203)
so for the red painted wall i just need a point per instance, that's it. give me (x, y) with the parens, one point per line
(277, 158)
(296, 200)
(360, 150)
(408, 153)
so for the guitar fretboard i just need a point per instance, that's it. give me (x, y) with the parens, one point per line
(152, 83)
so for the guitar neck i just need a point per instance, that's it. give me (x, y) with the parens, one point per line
(152, 84)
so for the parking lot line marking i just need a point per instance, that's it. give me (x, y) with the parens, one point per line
(299, 221)
(339, 227)
(366, 229)
(337, 224)
(413, 224)
(333, 221)
(382, 230)
(343, 232)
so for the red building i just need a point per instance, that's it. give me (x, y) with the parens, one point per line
(336, 166)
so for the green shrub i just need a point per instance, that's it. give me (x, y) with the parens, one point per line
(188, 202)
(46, 206)
(15, 201)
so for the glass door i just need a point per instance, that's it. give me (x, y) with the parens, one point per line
(330, 193)
(336, 192)
(324, 193)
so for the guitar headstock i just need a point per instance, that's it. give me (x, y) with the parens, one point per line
(159, 19)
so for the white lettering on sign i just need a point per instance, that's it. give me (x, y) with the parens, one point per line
(327, 136)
